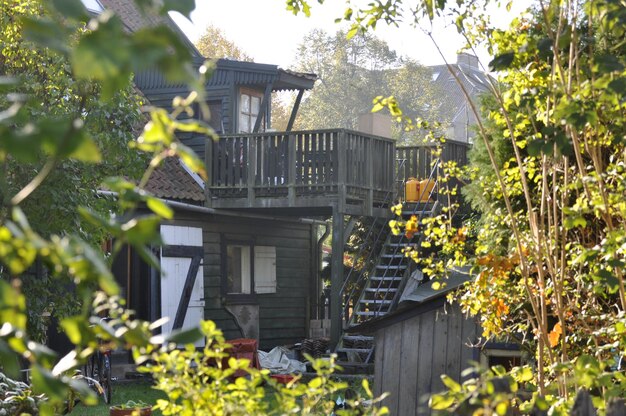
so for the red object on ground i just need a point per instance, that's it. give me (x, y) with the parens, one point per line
(243, 348)
(282, 378)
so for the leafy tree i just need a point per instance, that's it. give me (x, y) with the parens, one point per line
(352, 73)
(52, 92)
(548, 257)
(213, 44)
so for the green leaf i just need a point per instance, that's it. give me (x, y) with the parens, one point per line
(440, 401)
(452, 385)
(104, 55)
(46, 33)
(71, 8)
(192, 160)
(9, 360)
(77, 329)
(184, 336)
(184, 7)
(160, 208)
(502, 61)
(352, 32)
(45, 382)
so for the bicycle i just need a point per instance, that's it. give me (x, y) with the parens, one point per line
(98, 370)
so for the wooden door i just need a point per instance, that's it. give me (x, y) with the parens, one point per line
(182, 274)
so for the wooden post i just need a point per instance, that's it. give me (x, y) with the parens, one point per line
(336, 279)
(369, 166)
(291, 169)
(208, 162)
(252, 158)
(294, 111)
(342, 171)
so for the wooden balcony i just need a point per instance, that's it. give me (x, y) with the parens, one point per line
(305, 171)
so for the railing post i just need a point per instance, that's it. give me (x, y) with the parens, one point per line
(342, 171)
(291, 169)
(369, 158)
(208, 162)
(336, 279)
(252, 158)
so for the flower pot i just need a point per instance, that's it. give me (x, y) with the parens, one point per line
(143, 411)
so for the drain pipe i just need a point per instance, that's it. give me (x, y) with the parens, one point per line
(318, 286)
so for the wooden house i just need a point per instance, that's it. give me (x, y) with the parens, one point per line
(244, 248)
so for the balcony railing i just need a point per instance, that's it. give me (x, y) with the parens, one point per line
(301, 168)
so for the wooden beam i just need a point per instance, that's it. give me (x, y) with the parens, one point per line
(262, 113)
(336, 279)
(294, 110)
(183, 305)
(208, 162)
(291, 169)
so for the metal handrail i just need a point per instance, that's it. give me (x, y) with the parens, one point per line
(415, 212)
(360, 277)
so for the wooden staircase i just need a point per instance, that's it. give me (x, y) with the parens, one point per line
(381, 290)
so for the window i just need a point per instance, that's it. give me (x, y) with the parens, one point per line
(249, 269)
(238, 271)
(508, 357)
(249, 106)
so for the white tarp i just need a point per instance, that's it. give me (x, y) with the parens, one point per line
(277, 362)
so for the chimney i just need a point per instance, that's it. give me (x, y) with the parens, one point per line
(467, 60)
(376, 124)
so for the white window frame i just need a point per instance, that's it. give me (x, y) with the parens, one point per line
(249, 115)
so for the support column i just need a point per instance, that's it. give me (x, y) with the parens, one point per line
(336, 279)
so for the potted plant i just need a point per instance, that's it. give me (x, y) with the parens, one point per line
(138, 407)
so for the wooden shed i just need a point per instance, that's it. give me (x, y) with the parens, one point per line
(423, 339)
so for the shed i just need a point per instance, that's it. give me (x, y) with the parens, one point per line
(423, 339)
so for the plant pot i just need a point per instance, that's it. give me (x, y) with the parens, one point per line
(143, 411)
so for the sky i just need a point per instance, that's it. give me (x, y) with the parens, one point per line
(269, 33)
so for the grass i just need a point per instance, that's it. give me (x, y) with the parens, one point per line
(121, 394)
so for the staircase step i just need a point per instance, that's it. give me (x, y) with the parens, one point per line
(418, 213)
(387, 278)
(376, 301)
(381, 290)
(356, 350)
(345, 364)
(396, 256)
(392, 267)
(371, 313)
(357, 338)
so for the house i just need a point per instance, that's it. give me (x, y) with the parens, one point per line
(455, 106)
(244, 248)
(255, 274)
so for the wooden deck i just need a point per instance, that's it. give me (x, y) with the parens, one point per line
(316, 172)
(351, 171)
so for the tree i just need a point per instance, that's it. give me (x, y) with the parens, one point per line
(352, 73)
(53, 93)
(213, 44)
(549, 257)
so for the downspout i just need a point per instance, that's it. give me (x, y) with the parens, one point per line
(318, 286)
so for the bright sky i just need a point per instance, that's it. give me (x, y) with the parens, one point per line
(269, 33)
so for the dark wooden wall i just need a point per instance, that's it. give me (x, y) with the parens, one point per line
(411, 355)
(284, 315)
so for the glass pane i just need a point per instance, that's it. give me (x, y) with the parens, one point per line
(233, 269)
(256, 105)
(238, 269)
(245, 103)
(244, 123)
(252, 123)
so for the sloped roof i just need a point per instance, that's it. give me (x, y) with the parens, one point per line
(134, 20)
(172, 181)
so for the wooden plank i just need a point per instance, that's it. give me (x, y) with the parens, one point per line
(455, 342)
(425, 358)
(336, 280)
(440, 349)
(291, 174)
(409, 359)
(379, 363)
(392, 373)
(470, 332)
(252, 168)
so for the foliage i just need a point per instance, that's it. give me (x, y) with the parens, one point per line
(17, 398)
(213, 44)
(49, 91)
(352, 72)
(205, 382)
(549, 255)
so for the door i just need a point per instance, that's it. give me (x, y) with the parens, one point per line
(182, 282)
